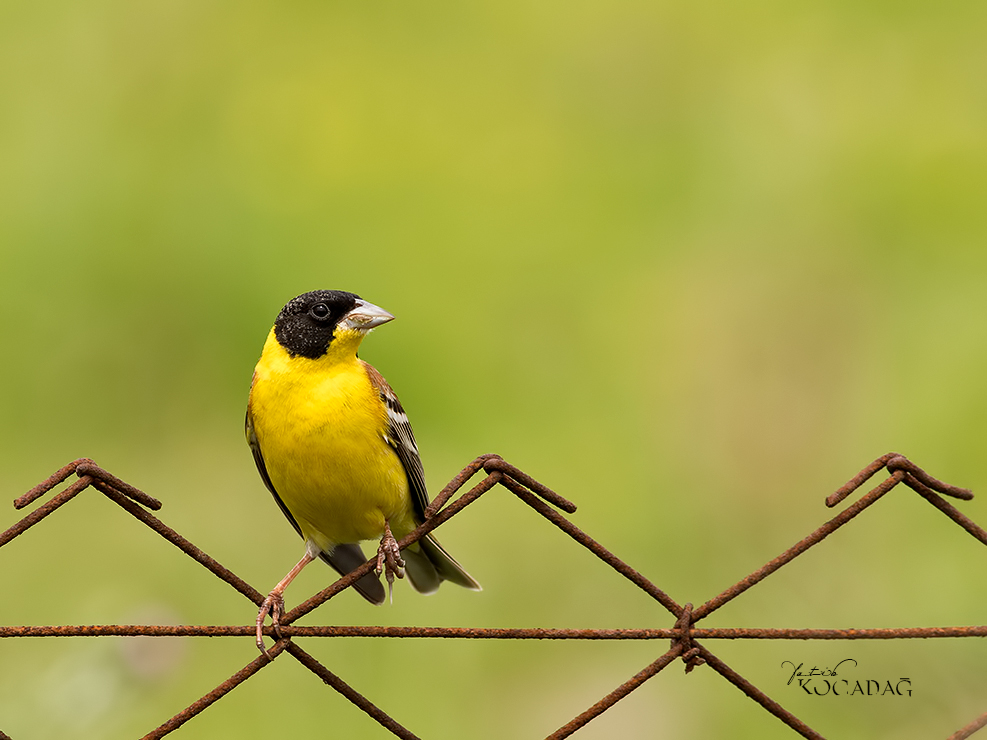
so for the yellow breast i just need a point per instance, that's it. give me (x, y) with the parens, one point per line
(320, 426)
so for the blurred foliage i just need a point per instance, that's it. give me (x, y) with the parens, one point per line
(691, 265)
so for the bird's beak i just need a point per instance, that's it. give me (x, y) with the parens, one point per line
(364, 317)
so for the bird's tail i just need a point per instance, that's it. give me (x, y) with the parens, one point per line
(346, 558)
(429, 565)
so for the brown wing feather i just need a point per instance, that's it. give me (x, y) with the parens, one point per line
(402, 439)
(433, 565)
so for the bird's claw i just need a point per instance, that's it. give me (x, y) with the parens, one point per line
(389, 560)
(273, 605)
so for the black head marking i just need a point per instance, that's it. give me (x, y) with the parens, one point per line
(306, 324)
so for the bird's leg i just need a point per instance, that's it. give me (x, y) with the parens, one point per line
(274, 603)
(389, 559)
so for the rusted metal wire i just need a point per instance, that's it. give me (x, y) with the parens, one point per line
(757, 695)
(217, 693)
(684, 635)
(617, 694)
(221, 572)
(594, 547)
(964, 732)
(494, 633)
(331, 679)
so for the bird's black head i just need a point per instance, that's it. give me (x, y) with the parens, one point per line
(307, 324)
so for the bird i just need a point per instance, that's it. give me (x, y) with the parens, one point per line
(334, 446)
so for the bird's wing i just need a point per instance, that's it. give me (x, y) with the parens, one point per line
(402, 439)
(437, 565)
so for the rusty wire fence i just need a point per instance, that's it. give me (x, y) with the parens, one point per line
(687, 641)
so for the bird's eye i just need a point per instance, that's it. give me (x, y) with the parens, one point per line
(319, 311)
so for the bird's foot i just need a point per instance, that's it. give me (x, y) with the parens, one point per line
(273, 605)
(389, 561)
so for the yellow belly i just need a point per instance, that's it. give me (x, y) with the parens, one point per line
(320, 428)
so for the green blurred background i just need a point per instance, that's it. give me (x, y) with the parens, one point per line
(690, 264)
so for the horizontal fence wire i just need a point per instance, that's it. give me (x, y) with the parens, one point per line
(684, 636)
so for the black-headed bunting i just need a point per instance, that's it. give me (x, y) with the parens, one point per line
(334, 446)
